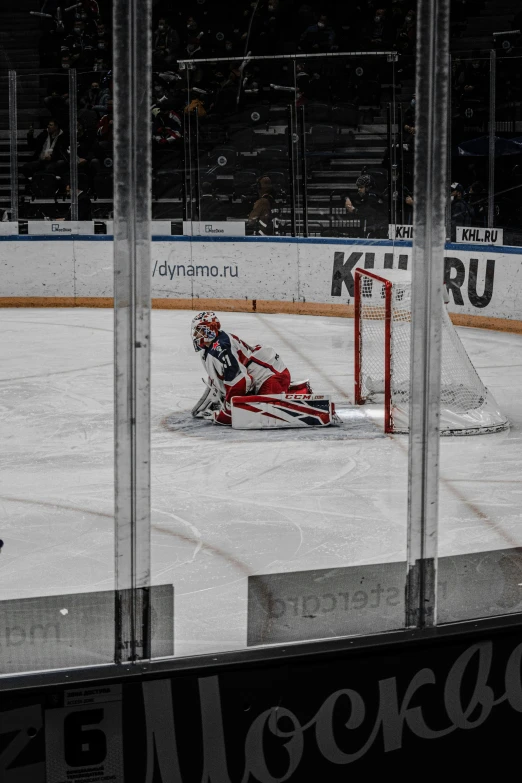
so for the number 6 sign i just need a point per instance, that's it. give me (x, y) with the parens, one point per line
(84, 738)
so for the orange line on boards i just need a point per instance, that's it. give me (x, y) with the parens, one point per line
(248, 306)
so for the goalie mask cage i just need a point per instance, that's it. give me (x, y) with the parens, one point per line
(382, 360)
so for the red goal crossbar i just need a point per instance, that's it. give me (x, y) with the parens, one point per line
(359, 346)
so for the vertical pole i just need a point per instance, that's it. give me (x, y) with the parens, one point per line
(197, 167)
(400, 142)
(132, 211)
(13, 143)
(392, 200)
(304, 170)
(492, 133)
(73, 142)
(449, 162)
(291, 157)
(188, 154)
(184, 168)
(428, 254)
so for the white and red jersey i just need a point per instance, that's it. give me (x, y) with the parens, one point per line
(237, 368)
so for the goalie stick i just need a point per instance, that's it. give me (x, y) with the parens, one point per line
(210, 400)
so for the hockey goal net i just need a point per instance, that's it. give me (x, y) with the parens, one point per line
(382, 360)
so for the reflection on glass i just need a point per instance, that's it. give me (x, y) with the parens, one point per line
(479, 508)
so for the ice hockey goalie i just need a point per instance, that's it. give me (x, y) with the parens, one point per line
(250, 387)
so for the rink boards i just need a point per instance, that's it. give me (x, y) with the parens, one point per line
(303, 276)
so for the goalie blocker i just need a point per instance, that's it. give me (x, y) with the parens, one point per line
(282, 411)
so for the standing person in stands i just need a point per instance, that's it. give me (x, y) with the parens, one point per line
(367, 206)
(165, 43)
(48, 148)
(462, 213)
(84, 201)
(319, 37)
(260, 220)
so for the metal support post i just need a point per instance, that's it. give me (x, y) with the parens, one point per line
(197, 172)
(492, 131)
(304, 172)
(428, 258)
(13, 143)
(449, 161)
(132, 281)
(392, 196)
(291, 157)
(73, 142)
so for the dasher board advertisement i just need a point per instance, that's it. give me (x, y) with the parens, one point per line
(486, 236)
(84, 741)
(398, 231)
(213, 228)
(454, 699)
(60, 227)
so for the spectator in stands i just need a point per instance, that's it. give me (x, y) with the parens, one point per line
(319, 37)
(104, 131)
(165, 43)
(83, 157)
(462, 213)
(104, 96)
(48, 148)
(302, 79)
(102, 149)
(87, 114)
(84, 201)
(100, 65)
(166, 128)
(260, 221)
(381, 30)
(408, 137)
(90, 15)
(210, 207)
(368, 207)
(102, 42)
(79, 45)
(479, 203)
(57, 99)
(194, 34)
(472, 79)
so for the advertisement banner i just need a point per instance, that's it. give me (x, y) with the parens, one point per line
(8, 228)
(486, 236)
(481, 282)
(389, 702)
(214, 228)
(60, 227)
(397, 231)
(84, 741)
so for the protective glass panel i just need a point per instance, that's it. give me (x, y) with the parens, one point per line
(273, 529)
(348, 145)
(56, 440)
(479, 536)
(469, 167)
(507, 208)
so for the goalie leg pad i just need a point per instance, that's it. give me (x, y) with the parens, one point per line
(282, 411)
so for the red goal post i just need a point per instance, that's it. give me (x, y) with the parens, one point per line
(383, 323)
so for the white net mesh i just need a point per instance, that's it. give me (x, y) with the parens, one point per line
(466, 406)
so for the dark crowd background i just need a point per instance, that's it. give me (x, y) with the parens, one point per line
(222, 131)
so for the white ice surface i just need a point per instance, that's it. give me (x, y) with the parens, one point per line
(224, 507)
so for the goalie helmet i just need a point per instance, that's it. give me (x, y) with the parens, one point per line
(204, 328)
